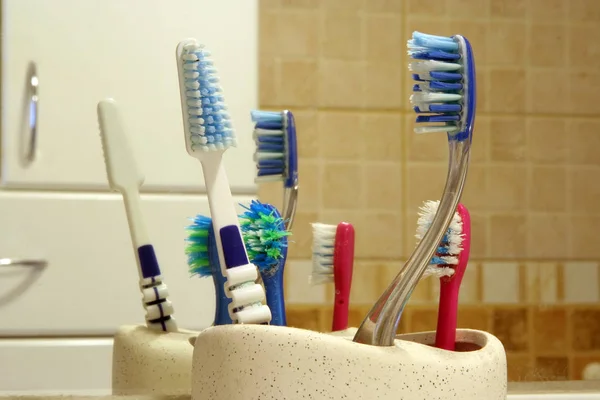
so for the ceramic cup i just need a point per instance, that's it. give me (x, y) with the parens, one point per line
(151, 362)
(241, 362)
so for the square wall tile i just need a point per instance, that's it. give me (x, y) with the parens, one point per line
(552, 368)
(542, 283)
(581, 282)
(298, 82)
(584, 10)
(548, 188)
(383, 132)
(298, 290)
(543, 97)
(585, 325)
(340, 135)
(507, 90)
(342, 32)
(343, 186)
(586, 367)
(584, 189)
(469, 288)
(365, 283)
(500, 283)
(583, 241)
(474, 318)
(584, 142)
(304, 318)
(550, 331)
(546, 236)
(341, 83)
(547, 10)
(511, 326)
(548, 141)
(507, 235)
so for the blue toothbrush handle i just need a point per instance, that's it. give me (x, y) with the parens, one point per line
(222, 316)
(274, 292)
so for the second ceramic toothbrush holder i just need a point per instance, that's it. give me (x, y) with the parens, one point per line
(242, 362)
(149, 362)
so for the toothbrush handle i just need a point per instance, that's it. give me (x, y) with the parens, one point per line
(275, 298)
(343, 262)
(228, 235)
(445, 336)
(222, 316)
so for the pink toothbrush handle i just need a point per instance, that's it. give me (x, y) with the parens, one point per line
(445, 337)
(343, 261)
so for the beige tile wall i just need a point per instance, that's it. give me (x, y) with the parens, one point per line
(534, 182)
(533, 186)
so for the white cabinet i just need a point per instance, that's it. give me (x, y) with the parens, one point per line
(90, 285)
(85, 51)
(54, 366)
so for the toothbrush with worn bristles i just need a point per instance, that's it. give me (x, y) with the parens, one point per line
(333, 261)
(449, 265)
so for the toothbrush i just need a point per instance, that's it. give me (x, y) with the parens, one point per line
(203, 260)
(333, 260)
(445, 94)
(276, 156)
(208, 134)
(265, 236)
(125, 177)
(449, 264)
(266, 241)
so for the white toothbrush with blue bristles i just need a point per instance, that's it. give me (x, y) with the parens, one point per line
(208, 134)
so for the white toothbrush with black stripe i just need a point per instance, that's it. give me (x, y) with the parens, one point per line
(125, 177)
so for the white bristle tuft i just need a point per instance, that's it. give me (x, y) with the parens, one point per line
(452, 243)
(322, 253)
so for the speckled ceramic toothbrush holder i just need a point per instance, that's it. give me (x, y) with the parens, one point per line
(150, 362)
(248, 362)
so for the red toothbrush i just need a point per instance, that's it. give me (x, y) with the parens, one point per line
(449, 264)
(333, 260)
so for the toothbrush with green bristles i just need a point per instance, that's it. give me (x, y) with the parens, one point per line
(265, 238)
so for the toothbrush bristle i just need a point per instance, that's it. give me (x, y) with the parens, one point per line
(439, 94)
(449, 249)
(196, 247)
(208, 122)
(270, 139)
(322, 253)
(265, 236)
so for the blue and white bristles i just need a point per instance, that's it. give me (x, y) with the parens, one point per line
(450, 246)
(208, 124)
(208, 134)
(276, 155)
(444, 95)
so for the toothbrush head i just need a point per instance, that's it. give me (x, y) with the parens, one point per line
(453, 248)
(196, 248)
(444, 95)
(276, 154)
(323, 250)
(265, 236)
(207, 124)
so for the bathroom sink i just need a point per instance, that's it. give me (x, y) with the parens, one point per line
(555, 396)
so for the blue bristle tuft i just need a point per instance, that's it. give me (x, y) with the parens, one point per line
(439, 92)
(209, 121)
(265, 235)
